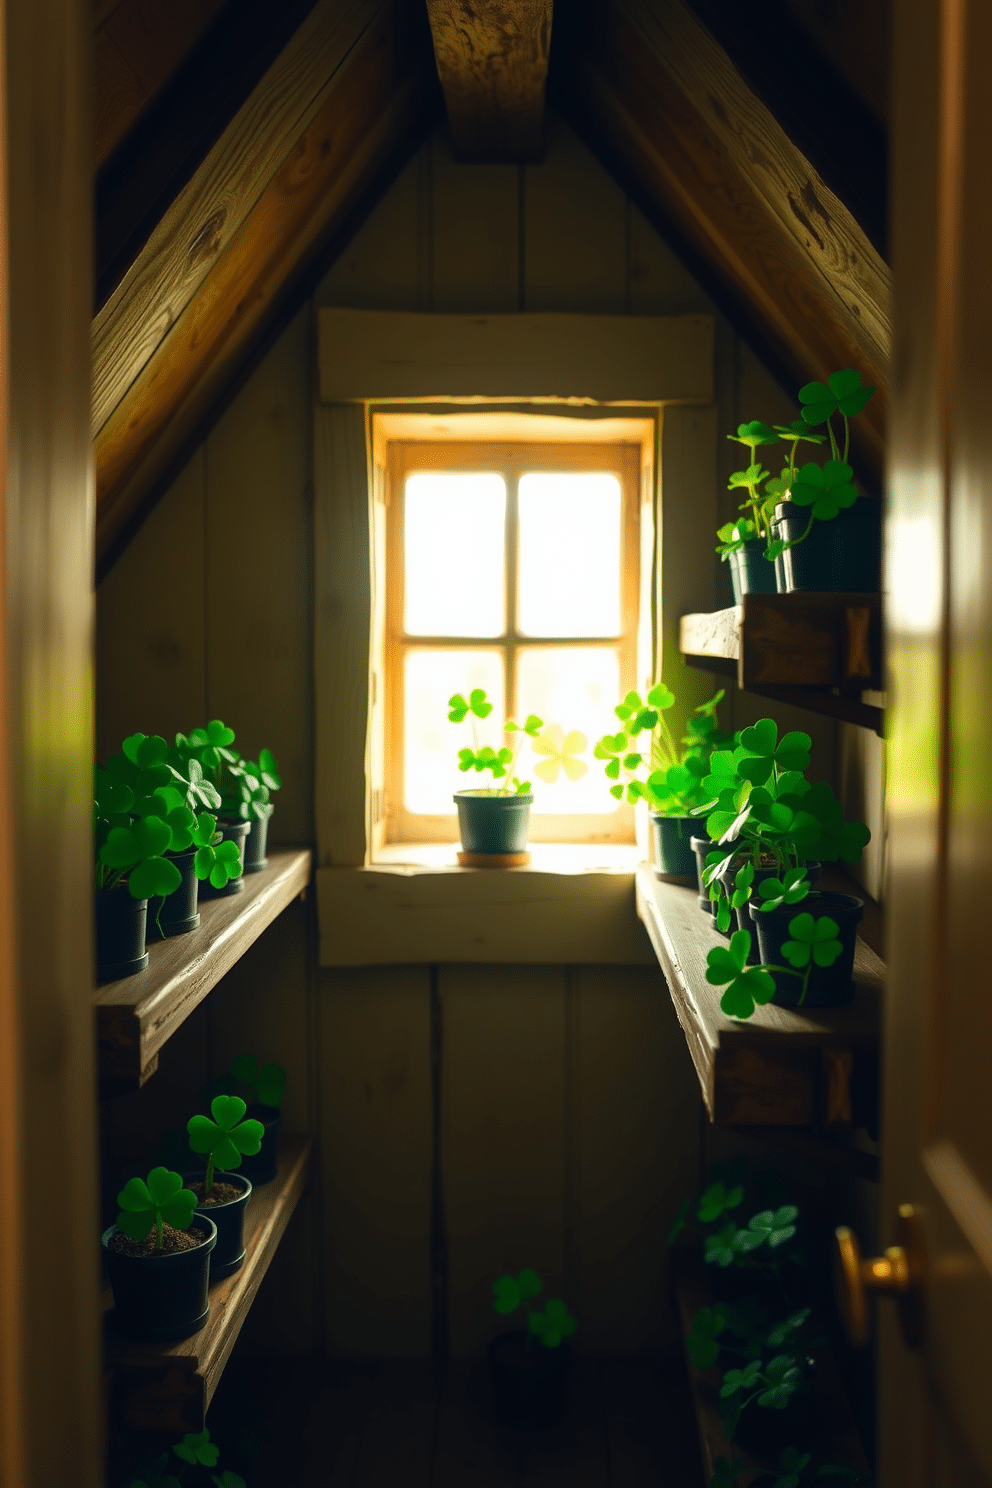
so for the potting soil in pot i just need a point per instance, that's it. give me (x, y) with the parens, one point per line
(221, 1193)
(172, 1242)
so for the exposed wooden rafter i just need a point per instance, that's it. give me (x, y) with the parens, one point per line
(492, 58)
(344, 102)
(649, 87)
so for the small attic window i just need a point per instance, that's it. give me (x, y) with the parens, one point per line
(511, 565)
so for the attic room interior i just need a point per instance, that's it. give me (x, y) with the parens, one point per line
(407, 407)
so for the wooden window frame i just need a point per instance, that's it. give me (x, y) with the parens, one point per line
(510, 457)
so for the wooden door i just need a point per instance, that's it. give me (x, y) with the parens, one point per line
(934, 1399)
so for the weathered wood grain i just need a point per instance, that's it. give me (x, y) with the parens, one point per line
(137, 1015)
(208, 213)
(374, 103)
(813, 640)
(168, 1387)
(492, 60)
(665, 99)
(136, 49)
(717, 633)
(767, 1070)
(370, 354)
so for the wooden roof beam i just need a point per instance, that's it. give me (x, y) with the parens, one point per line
(649, 88)
(492, 59)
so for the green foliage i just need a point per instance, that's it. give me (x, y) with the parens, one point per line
(510, 1292)
(824, 490)
(225, 1139)
(707, 1325)
(748, 985)
(717, 1200)
(553, 1324)
(813, 942)
(791, 888)
(560, 751)
(548, 1326)
(197, 1448)
(726, 1473)
(149, 1202)
(268, 1084)
(155, 1475)
(655, 768)
(229, 1479)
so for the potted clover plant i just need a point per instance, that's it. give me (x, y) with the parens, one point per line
(157, 1257)
(529, 1365)
(222, 1138)
(494, 820)
(780, 512)
(248, 788)
(769, 823)
(264, 1087)
(195, 1451)
(209, 748)
(646, 764)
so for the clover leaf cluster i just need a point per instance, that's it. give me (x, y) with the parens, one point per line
(824, 490)
(796, 1469)
(764, 808)
(147, 1204)
(813, 942)
(560, 751)
(646, 763)
(224, 1137)
(550, 1325)
(196, 1450)
(243, 786)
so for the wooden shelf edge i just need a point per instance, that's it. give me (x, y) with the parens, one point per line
(137, 1015)
(782, 1067)
(168, 1387)
(837, 1437)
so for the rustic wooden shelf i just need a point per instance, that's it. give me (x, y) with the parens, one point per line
(784, 1067)
(819, 651)
(168, 1387)
(137, 1015)
(836, 1437)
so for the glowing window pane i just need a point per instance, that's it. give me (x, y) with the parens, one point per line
(453, 561)
(577, 687)
(430, 742)
(569, 555)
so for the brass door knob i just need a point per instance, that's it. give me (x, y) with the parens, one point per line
(898, 1273)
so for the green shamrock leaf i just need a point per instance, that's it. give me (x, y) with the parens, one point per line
(707, 1325)
(229, 1479)
(748, 984)
(160, 1198)
(791, 1462)
(269, 770)
(227, 1138)
(754, 434)
(762, 754)
(662, 697)
(510, 1291)
(736, 1380)
(773, 1226)
(719, 1249)
(792, 888)
(783, 1378)
(553, 1324)
(827, 489)
(812, 940)
(752, 476)
(197, 1449)
(718, 1199)
(784, 1330)
(845, 395)
(268, 1084)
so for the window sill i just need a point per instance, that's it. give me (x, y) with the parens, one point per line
(573, 905)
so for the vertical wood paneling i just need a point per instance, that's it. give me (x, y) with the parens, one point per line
(687, 524)
(575, 230)
(476, 238)
(375, 1136)
(152, 673)
(258, 529)
(503, 1135)
(636, 1114)
(378, 270)
(659, 283)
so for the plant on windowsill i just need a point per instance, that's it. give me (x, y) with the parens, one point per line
(494, 821)
(223, 1138)
(770, 825)
(646, 764)
(157, 1257)
(529, 1365)
(781, 510)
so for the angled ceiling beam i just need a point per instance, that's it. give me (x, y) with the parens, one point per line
(328, 123)
(492, 59)
(648, 86)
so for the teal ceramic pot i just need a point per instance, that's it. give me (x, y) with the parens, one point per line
(674, 855)
(829, 986)
(750, 571)
(842, 556)
(496, 825)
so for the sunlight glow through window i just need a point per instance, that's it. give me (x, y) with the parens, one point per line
(569, 554)
(454, 554)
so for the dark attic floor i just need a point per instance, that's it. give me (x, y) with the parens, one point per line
(629, 1424)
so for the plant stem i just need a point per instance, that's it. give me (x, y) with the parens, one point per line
(208, 1178)
(159, 1236)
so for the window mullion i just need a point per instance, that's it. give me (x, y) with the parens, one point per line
(512, 540)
